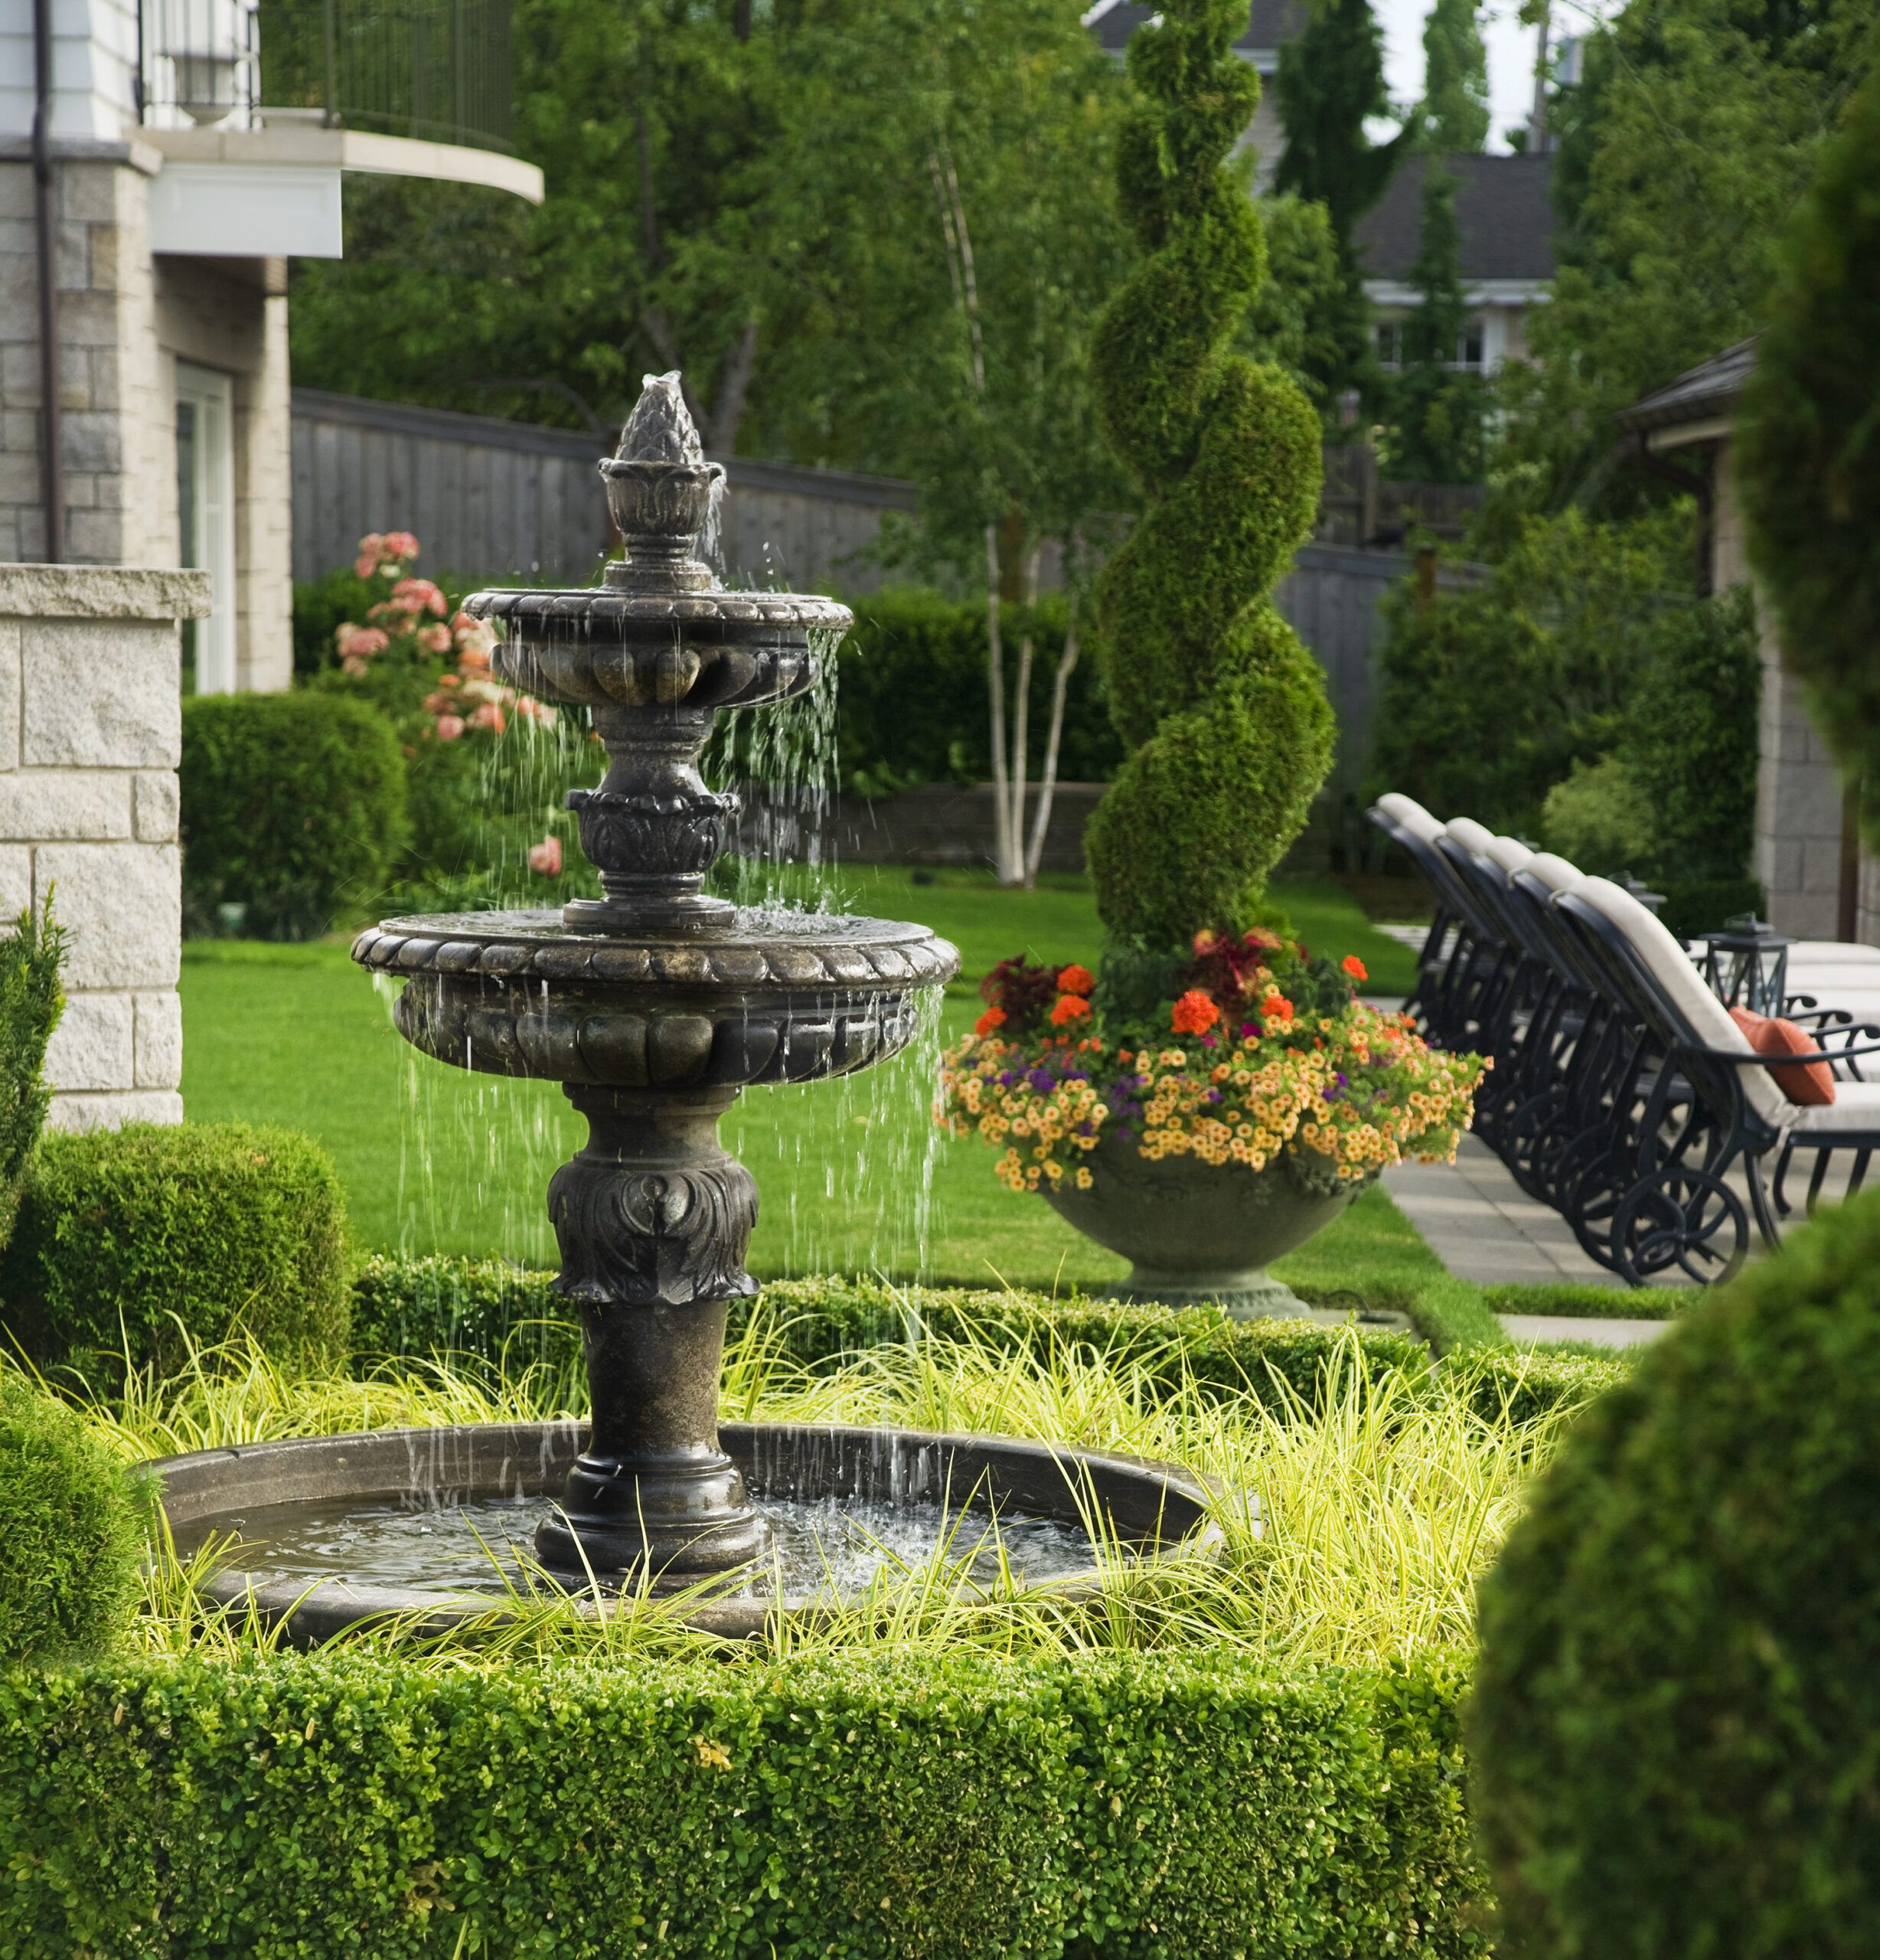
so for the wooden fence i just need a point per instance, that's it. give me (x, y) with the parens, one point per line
(503, 500)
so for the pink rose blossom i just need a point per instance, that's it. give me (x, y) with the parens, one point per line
(360, 642)
(434, 639)
(418, 595)
(401, 545)
(546, 857)
(489, 716)
(531, 709)
(449, 726)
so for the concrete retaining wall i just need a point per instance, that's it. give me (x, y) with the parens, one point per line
(90, 731)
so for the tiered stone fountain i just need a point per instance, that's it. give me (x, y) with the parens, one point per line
(654, 1006)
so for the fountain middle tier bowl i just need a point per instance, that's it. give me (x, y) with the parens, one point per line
(323, 1533)
(610, 646)
(775, 996)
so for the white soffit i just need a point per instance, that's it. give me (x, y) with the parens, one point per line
(222, 210)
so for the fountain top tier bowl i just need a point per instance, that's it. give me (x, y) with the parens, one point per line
(659, 631)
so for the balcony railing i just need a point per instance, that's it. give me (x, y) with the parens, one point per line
(436, 69)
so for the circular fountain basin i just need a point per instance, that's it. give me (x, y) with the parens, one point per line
(316, 1521)
(780, 996)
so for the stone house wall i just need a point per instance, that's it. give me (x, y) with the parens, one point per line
(126, 316)
(90, 729)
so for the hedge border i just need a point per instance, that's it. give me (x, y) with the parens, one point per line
(1199, 1805)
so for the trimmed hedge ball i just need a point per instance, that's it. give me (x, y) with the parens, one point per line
(1676, 1720)
(70, 1533)
(146, 1241)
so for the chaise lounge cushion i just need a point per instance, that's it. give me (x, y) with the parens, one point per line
(1810, 1084)
(1700, 1011)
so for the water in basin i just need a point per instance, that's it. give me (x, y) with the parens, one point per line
(484, 1545)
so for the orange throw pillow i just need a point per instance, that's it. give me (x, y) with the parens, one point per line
(1810, 1084)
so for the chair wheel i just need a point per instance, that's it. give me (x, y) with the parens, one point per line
(1683, 1219)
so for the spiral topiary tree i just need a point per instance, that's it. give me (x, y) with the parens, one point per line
(1223, 707)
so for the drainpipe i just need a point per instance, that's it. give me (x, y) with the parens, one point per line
(51, 472)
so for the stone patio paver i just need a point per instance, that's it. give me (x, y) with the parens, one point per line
(1482, 1226)
(1570, 1326)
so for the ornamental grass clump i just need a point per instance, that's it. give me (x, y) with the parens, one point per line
(1208, 1034)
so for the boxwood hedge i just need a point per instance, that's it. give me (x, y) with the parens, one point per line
(423, 1306)
(954, 1805)
(420, 1306)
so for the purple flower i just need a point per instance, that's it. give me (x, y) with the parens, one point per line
(1208, 1041)
(1214, 1096)
(1249, 1028)
(1122, 1135)
(1341, 1082)
(1043, 1081)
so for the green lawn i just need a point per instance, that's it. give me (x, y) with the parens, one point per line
(435, 1160)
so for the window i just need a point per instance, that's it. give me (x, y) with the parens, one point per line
(1469, 347)
(205, 510)
(1389, 344)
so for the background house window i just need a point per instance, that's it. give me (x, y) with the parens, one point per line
(205, 509)
(1469, 347)
(1389, 344)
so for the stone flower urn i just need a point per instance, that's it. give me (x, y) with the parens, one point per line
(1195, 1233)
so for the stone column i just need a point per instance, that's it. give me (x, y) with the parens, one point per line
(91, 735)
(1798, 788)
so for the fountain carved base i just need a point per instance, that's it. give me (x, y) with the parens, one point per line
(653, 1218)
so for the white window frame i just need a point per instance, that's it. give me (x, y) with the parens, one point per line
(212, 395)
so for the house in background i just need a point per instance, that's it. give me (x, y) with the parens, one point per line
(1808, 858)
(1270, 23)
(1504, 216)
(164, 159)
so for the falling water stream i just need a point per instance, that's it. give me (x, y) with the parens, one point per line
(844, 1169)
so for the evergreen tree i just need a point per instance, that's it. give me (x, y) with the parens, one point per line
(1454, 114)
(1223, 708)
(1437, 437)
(1330, 83)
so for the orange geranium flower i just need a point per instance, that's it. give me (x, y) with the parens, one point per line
(993, 1017)
(1276, 1007)
(1069, 1007)
(1354, 966)
(1194, 1013)
(1076, 980)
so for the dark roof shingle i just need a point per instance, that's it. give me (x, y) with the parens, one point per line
(1269, 23)
(1698, 394)
(1503, 212)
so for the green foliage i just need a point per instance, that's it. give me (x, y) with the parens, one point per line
(136, 1243)
(1223, 708)
(911, 703)
(70, 1533)
(1690, 736)
(1330, 85)
(1437, 413)
(1679, 1689)
(748, 193)
(293, 804)
(321, 606)
(883, 1807)
(1294, 321)
(1506, 1384)
(426, 1306)
(31, 1000)
(1600, 818)
(1492, 691)
(1695, 128)
(1811, 450)
(1454, 115)
(475, 805)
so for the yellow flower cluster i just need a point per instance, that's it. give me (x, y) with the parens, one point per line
(1348, 1096)
(1044, 1110)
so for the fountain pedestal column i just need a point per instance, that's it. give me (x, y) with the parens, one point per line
(653, 1217)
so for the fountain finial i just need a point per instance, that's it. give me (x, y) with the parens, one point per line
(660, 429)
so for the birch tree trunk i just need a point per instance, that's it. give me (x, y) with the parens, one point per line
(1047, 780)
